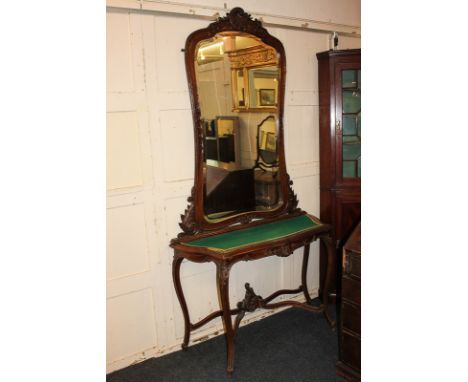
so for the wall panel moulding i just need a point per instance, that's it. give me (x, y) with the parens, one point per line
(212, 13)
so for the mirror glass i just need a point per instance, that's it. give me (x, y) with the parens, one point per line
(237, 81)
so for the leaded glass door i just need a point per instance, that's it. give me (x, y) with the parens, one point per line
(348, 123)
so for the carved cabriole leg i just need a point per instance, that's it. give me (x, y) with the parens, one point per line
(222, 279)
(305, 261)
(180, 295)
(327, 240)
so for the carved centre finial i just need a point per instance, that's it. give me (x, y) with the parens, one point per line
(238, 19)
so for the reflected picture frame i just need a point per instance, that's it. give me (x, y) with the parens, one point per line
(270, 142)
(267, 97)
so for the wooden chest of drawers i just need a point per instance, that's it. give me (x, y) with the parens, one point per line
(349, 364)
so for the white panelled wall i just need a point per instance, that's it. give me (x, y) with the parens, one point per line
(150, 172)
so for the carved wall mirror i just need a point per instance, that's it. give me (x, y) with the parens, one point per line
(236, 73)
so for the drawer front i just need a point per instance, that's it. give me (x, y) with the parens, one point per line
(351, 317)
(351, 290)
(352, 265)
(351, 350)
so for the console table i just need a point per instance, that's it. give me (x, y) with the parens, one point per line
(279, 238)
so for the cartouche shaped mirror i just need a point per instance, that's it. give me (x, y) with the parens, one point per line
(236, 72)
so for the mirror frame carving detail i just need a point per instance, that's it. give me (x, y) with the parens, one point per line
(194, 220)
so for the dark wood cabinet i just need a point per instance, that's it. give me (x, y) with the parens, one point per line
(340, 146)
(349, 320)
(228, 188)
(221, 138)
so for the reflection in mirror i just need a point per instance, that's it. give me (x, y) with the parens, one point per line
(239, 86)
(263, 88)
(266, 144)
(267, 185)
(237, 80)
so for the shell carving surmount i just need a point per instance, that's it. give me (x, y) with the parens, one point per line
(239, 20)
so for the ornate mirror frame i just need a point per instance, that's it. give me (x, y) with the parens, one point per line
(194, 220)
